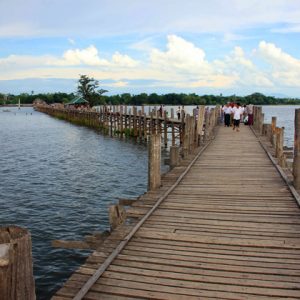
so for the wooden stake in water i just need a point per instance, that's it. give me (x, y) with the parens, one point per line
(296, 163)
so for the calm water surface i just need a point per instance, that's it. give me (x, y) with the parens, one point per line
(285, 118)
(57, 180)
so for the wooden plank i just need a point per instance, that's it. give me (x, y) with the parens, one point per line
(189, 286)
(226, 229)
(85, 288)
(290, 263)
(254, 266)
(244, 278)
(211, 248)
(285, 244)
(175, 291)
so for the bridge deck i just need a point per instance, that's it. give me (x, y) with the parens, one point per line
(229, 230)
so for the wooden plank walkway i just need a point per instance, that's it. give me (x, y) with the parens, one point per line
(229, 230)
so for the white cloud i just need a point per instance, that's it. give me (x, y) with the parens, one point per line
(275, 56)
(181, 55)
(181, 65)
(124, 60)
(245, 72)
(285, 69)
(75, 57)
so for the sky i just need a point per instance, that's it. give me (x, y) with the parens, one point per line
(159, 46)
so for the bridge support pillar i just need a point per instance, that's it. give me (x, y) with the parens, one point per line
(154, 161)
(296, 163)
(174, 156)
(16, 275)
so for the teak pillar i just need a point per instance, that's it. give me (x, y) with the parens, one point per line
(16, 275)
(296, 163)
(154, 160)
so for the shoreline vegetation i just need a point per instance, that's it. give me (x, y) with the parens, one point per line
(150, 99)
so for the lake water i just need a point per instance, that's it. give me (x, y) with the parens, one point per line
(57, 180)
(285, 118)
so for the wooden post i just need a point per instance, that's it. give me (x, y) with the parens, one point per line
(212, 121)
(261, 123)
(111, 121)
(185, 146)
(165, 129)
(279, 145)
(135, 121)
(174, 156)
(140, 132)
(145, 126)
(217, 114)
(172, 113)
(173, 134)
(117, 215)
(207, 121)
(151, 127)
(258, 118)
(200, 122)
(296, 162)
(129, 121)
(276, 144)
(279, 141)
(273, 128)
(121, 121)
(154, 161)
(125, 118)
(16, 275)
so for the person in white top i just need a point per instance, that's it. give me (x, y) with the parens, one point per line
(227, 112)
(237, 112)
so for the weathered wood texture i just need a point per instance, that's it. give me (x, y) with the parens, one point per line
(229, 230)
(116, 121)
(154, 161)
(296, 163)
(16, 276)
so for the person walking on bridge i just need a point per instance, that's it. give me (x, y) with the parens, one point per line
(250, 114)
(237, 113)
(227, 112)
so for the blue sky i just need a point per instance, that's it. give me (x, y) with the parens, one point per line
(195, 46)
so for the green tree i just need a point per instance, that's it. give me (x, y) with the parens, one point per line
(87, 89)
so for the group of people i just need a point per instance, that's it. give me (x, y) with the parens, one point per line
(233, 114)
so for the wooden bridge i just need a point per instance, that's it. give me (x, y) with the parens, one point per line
(224, 225)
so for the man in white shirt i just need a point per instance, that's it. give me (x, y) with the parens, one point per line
(227, 112)
(237, 112)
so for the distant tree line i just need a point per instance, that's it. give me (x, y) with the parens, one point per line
(151, 99)
(88, 88)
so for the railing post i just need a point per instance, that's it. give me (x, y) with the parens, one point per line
(261, 123)
(273, 128)
(207, 122)
(296, 163)
(201, 115)
(16, 275)
(185, 146)
(174, 156)
(154, 161)
(279, 146)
